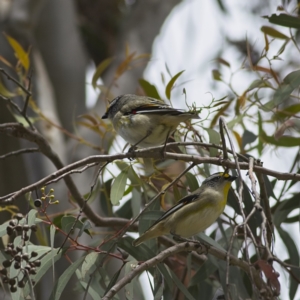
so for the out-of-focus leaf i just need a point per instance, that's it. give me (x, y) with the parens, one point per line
(129, 266)
(214, 138)
(258, 83)
(284, 208)
(118, 187)
(115, 278)
(256, 219)
(149, 89)
(181, 286)
(248, 138)
(260, 131)
(171, 84)
(125, 211)
(293, 260)
(236, 120)
(20, 53)
(64, 279)
(5, 92)
(238, 138)
(284, 141)
(290, 83)
(216, 75)
(284, 20)
(206, 269)
(287, 112)
(223, 62)
(273, 32)
(220, 112)
(100, 69)
(192, 182)
(290, 123)
(140, 253)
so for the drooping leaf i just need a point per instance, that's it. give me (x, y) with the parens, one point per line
(171, 84)
(100, 69)
(290, 83)
(284, 20)
(118, 187)
(64, 279)
(191, 181)
(273, 32)
(20, 53)
(214, 138)
(47, 261)
(149, 88)
(284, 209)
(284, 141)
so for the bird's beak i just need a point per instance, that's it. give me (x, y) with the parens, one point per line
(105, 116)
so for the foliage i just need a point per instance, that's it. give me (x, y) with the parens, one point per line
(236, 254)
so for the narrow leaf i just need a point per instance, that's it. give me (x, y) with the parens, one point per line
(64, 279)
(171, 84)
(273, 32)
(214, 138)
(100, 69)
(284, 20)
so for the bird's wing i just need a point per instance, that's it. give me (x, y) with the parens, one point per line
(184, 201)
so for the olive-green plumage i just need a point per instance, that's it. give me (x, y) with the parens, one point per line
(195, 212)
(143, 121)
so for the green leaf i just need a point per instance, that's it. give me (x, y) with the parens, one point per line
(260, 132)
(273, 32)
(284, 209)
(192, 182)
(290, 83)
(149, 88)
(206, 269)
(216, 75)
(181, 286)
(129, 266)
(293, 260)
(46, 262)
(258, 83)
(89, 264)
(114, 280)
(118, 188)
(284, 20)
(284, 141)
(248, 138)
(171, 83)
(64, 279)
(67, 222)
(214, 138)
(100, 69)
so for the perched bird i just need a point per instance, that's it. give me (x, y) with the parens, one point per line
(143, 121)
(195, 212)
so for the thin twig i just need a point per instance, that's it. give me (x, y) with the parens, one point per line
(19, 152)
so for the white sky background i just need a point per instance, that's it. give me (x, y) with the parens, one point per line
(189, 40)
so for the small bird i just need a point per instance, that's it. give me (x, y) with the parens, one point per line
(195, 212)
(143, 121)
